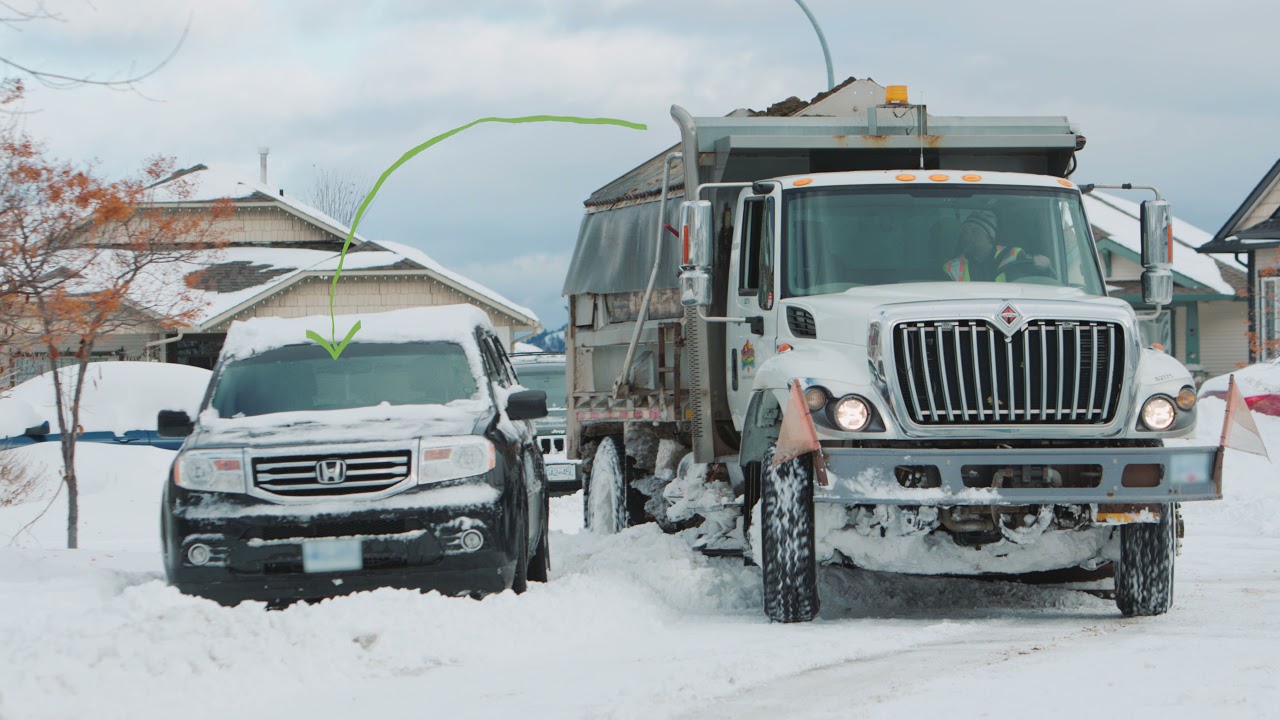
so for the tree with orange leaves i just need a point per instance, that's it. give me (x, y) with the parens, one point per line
(82, 258)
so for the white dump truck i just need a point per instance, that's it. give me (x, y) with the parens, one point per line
(860, 333)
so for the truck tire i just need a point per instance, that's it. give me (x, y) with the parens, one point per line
(1144, 575)
(787, 551)
(604, 490)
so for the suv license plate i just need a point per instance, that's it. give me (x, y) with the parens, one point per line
(320, 556)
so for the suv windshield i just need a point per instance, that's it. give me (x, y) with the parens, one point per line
(305, 377)
(546, 377)
(834, 239)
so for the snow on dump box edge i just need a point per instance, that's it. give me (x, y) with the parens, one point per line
(432, 324)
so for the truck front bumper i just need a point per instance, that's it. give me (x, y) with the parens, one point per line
(955, 477)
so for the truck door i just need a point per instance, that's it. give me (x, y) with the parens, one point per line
(751, 295)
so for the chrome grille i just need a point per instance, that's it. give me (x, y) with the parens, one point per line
(295, 475)
(965, 372)
(553, 444)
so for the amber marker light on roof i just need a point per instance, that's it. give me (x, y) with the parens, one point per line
(802, 181)
(895, 94)
(905, 177)
(971, 178)
(939, 178)
(1065, 183)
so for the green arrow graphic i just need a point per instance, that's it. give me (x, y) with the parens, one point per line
(334, 347)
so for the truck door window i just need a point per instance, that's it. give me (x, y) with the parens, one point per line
(749, 258)
(765, 297)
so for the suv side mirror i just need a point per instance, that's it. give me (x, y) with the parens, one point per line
(1156, 219)
(174, 423)
(527, 405)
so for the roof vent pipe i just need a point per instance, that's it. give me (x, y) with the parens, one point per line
(262, 163)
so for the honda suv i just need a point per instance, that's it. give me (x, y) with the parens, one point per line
(408, 461)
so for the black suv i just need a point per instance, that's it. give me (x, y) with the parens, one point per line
(409, 461)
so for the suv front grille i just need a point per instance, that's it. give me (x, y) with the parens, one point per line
(1052, 372)
(552, 444)
(297, 475)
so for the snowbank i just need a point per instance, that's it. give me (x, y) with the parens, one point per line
(118, 396)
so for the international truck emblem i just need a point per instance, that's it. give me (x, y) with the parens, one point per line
(331, 472)
(1010, 316)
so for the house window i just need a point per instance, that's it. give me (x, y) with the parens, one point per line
(1268, 318)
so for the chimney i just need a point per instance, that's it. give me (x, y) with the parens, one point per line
(262, 162)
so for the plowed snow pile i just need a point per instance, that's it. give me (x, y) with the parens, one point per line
(632, 625)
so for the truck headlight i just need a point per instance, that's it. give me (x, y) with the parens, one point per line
(210, 471)
(1158, 413)
(851, 414)
(450, 458)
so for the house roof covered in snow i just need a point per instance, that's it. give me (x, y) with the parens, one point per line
(1117, 219)
(1256, 223)
(246, 274)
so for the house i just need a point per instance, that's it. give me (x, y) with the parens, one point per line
(1253, 233)
(280, 262)
(1206, 325)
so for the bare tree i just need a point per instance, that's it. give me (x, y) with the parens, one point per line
(338, 195)
(15, 16)
(82, 258)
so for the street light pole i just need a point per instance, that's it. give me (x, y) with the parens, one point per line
(826, 53)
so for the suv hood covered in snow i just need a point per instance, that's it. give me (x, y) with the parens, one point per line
(372, 424)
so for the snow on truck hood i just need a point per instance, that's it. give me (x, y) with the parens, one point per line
(846, 314)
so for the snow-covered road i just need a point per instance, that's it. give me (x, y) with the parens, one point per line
(631, 626)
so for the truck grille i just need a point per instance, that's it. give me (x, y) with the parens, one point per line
(1053, 372)
(296, 475)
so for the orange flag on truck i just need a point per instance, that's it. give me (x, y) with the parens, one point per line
(798, 436)
(1239, 431)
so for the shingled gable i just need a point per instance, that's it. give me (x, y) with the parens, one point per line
(1255, 225)
(255, 268)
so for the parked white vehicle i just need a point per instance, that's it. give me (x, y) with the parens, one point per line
(914, 369)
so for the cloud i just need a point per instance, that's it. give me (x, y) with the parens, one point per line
(1176, 94)
(533, 280)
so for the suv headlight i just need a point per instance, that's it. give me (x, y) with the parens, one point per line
(450, 458)
(210, 470)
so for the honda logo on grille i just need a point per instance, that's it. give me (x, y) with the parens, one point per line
(331, 472)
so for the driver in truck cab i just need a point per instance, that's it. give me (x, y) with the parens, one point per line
(981, 259)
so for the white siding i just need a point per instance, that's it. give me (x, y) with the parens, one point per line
(359, 295)
(1123, 269)
(1224, 341)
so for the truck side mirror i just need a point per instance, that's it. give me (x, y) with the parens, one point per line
(1156, 219)
(695, 234)
(698, 251)
(174, 423)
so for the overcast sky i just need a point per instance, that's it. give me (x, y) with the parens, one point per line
(1184, 95)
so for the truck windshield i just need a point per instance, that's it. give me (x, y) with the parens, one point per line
(304, 377)
(548, 378)
(834, 239)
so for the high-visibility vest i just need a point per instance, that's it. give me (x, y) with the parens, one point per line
(958, 268)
